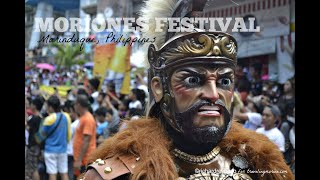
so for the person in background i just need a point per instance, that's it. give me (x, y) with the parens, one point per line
(256, 82)
(265, 101)
(252, 118)
(137, 97)
(45, 77)
(111, 91)
(104, 116)
(273, 91)
(286, 101)
(57, 133)
(287, 129)
(123, 109)
(133, 114)
(84, 142)
(94, 93)
(27, 106)
(242, 84)
(100, 117)
(33, 148)
(91, 100)
(100, 98)
(116, 102)
(270, 116)
(134, 103)
(113, 125)
(142, 84)
(71, 94)
(75, 123)
(56, 91)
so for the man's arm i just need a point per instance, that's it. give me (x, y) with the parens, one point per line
(241, 116)
(140, 79)
(85, 145)
(108, 102)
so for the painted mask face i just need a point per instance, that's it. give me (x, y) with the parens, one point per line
(192, 81)
(203, 101)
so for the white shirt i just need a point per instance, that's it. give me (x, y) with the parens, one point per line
(95, 104)
(135, 104)
(274, 135)
(74, 126)
(254, 120)
(95, 95)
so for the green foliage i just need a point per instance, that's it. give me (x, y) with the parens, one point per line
(67, 54)
(81, 62)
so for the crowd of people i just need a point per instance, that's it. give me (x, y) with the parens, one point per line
(61, 133)
(34, 77)
(268, 108)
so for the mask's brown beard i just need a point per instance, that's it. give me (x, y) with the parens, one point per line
(202, 135)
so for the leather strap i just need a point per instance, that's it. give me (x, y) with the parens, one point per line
(129, 161)
(91, 174)
(110, 168)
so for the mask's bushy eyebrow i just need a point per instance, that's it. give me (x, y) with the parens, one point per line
(193, 71)
(225, 71)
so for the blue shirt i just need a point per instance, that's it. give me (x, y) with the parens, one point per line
(101, 127)
(58, 140)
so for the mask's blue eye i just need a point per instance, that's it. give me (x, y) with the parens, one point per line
(192, 80)
(225, 81)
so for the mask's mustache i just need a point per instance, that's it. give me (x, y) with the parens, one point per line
(191, 112)
(203, 134)
(195, 108)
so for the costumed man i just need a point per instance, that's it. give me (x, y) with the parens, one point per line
(188, 132)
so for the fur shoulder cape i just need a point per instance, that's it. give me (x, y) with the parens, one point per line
(147, 139)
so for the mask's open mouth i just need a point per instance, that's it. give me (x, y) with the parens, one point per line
(213, 110)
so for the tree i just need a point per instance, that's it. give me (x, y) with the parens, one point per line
(67, 54)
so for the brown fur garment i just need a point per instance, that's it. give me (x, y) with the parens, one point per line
(146, 138)
(260, 152)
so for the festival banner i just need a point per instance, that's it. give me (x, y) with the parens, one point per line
(118, 69)
(125, 89)
(62, 90)
(118, 62)
(102, 57)
(118, 66)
